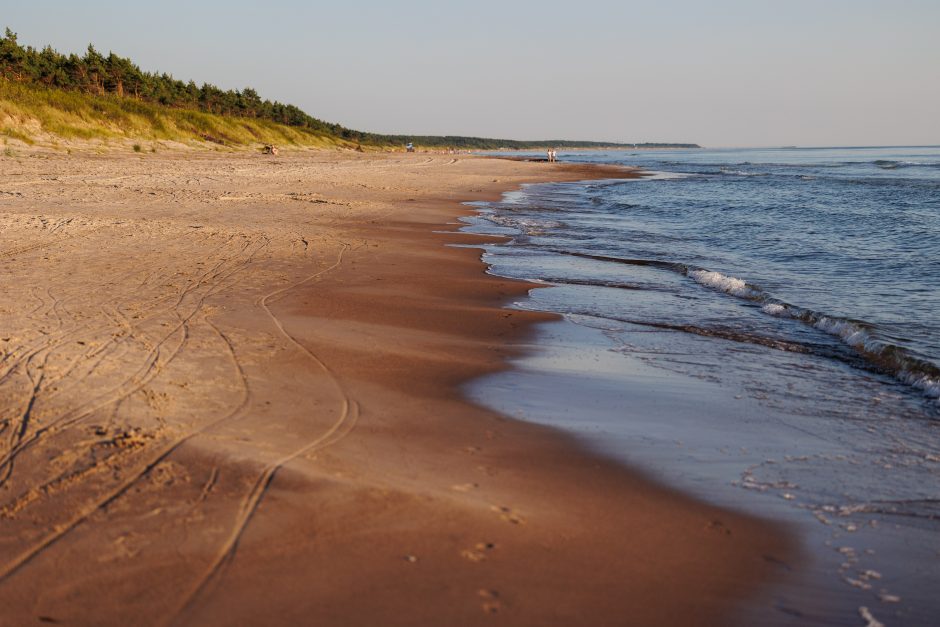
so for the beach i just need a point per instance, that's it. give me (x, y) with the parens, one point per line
(756, 327)
(232, 394)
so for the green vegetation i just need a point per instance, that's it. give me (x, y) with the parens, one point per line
(15, 134)
(29, 111)
(98, 97)
(97, 74)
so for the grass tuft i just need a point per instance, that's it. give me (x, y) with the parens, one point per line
(12, 133)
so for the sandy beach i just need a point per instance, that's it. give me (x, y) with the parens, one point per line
(229, 387)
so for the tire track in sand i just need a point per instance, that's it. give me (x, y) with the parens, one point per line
(342, 427)
(60, 531)
(344, 424)
(151, 367)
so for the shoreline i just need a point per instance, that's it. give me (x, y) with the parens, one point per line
(384, 493)
(665, 372)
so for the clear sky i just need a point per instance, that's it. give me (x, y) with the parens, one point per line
(719, 73)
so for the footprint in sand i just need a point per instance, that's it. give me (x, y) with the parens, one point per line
(491, 603)
(507, 514)
(464, 487)
(478, 553)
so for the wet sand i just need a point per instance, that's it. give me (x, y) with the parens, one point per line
(230, 395)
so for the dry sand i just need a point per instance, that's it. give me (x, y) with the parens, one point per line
(229, 394)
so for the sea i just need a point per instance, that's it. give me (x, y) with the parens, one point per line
(761, 329)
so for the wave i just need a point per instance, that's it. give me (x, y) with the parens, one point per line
(591, 283)
(666, 265)
(726, 284)
(733, 172)
(905, 365)
(909, 179)
(887, 164)
(524, 225)
(727, 165)
(653, 175)
(645, 287)
(898, 181)
(733, 335)
(891, 164)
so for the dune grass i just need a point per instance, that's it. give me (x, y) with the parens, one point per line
(30, 113)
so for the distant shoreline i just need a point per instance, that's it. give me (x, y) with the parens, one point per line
(603, 148)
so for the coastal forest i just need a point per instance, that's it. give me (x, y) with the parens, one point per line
(113, 77)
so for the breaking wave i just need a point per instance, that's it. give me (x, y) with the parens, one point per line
(905, 365)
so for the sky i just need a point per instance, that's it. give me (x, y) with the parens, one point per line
(718, 73)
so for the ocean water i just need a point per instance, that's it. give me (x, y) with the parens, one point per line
(761, 327)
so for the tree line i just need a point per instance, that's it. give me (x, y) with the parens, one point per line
(100, 75)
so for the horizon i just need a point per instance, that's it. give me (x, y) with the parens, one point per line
(730, 76)
(769, 147)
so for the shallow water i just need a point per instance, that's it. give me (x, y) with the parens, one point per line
(759, 327)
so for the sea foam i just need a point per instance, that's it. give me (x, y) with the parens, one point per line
(906, 367)
(724, 283)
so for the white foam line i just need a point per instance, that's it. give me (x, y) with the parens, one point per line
(652, 175)
(724, 283)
